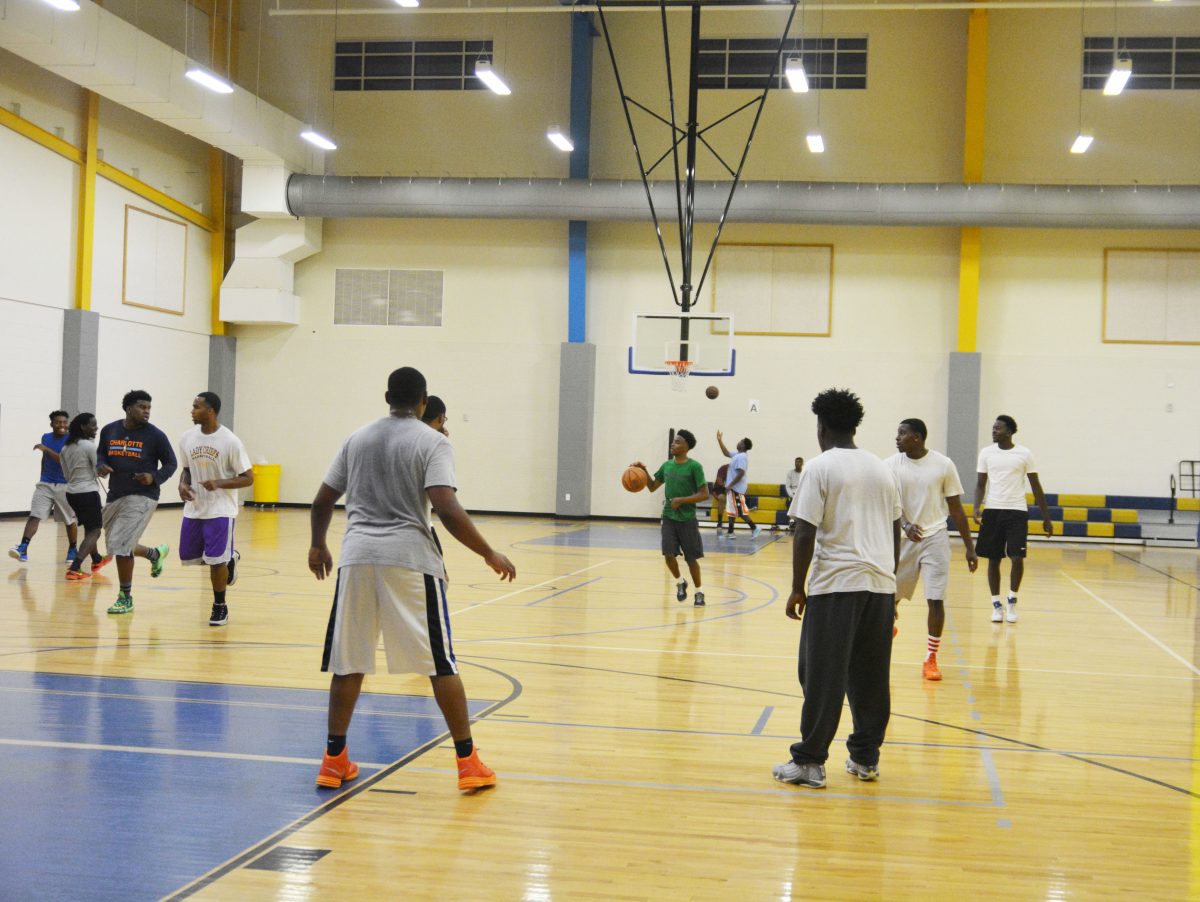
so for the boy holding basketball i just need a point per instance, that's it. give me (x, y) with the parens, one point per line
(685, 487)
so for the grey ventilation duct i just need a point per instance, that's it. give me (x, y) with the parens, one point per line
(1018, 206)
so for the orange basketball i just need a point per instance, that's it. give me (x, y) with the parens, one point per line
(634, 479)
(711, 392)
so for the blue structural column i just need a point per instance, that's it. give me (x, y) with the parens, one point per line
(577, 358)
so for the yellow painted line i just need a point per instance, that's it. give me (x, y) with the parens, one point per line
(141, 189)
(1100, 530)
(86, 226)
(1080, 500)
(970, 243)
(40, 136)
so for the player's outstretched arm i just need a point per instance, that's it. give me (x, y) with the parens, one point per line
(320, 561)
(459, 524)
(721, 442)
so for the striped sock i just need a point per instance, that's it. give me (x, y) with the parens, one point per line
(934, 643)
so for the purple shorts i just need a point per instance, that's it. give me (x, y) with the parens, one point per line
(206, 541)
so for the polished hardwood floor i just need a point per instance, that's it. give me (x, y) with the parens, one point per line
(633, 735)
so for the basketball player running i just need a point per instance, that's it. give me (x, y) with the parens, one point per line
(685, 488)
(1002, 470)
(137, 458)
(391, 576)
(847, 514)
(215, 466)
(738, 483)
(78, 459)
(929, 492)
(50, 494)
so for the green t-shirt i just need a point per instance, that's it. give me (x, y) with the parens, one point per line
(680, 481)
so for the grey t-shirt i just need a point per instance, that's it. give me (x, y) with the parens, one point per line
(78, 461)
(384, 469)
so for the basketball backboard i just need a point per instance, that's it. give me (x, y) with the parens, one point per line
(705, 340)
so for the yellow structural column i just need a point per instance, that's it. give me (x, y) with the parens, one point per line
(971, 239)
(86, 224)
(216, 183)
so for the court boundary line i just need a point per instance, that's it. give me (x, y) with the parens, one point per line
(152, 750)
(551, 579)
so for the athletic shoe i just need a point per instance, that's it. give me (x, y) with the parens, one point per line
(336, 769)
(1012, 613)
(123, 604)
(474, 774)
(219, 615)
(102, 563)
(76, 575)
(997, 612)
(20, 552)
(681, 590)
(800, 774)
(721, 535)
(929, 669)
(698, 599)
(156, 566)
(233, 562)
(72, 553)
(866, 772)
(756, 532)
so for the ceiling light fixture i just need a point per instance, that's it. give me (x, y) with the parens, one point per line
(408, 4)
(66, 6)
(797, 78)
(206, 79)
(1117, 78)
(1082, 143)
(317, 140)
(559, 140)
(816, 144)
(486, 74)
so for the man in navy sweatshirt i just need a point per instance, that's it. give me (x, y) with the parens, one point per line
(137, 458)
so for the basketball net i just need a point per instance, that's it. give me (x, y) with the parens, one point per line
(679, 373)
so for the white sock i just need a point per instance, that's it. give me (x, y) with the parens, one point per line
(996, 600)
(932, 648)
(681, 581)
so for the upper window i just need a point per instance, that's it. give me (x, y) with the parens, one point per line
(408, 65)
(1159, 64)
(829, 63)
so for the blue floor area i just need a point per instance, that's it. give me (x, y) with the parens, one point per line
(143, 820)
(648, 538)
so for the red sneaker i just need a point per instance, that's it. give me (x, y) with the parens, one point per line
(336, 769)
(104, 561)
(929, 669)
(473, 773)
(74, 575)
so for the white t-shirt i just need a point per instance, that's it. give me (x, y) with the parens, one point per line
(78, 462)
(1006, 472)
(925, 484)
(791, 481)
(851, 497)
(220, 455)
(384, 469)
(739, 461)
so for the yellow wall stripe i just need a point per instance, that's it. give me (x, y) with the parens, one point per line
(86, 226)
(968, 288)
(39, 135)
(141, 189)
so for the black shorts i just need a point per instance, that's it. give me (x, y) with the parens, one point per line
(1003, 533)
(87, 508)
(682, 537)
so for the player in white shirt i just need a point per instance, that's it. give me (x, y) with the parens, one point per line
(215, 465)
(847, 512)
(1002, 470)
(929, 492)
(791, 482)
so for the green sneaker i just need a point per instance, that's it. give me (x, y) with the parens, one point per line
(123, 604)
(156, 567)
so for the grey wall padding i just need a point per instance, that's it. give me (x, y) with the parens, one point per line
(829, 203)
(962, 417)
(80, 361)
(576, 413)
(222, 373)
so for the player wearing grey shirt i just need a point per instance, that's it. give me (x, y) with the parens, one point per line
(391, 577)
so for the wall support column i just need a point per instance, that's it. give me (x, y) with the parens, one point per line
(80, 361)
(86, 225)
(222, 374)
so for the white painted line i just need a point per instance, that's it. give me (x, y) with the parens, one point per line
(1174, 654)
(182, 753)
(527, 588)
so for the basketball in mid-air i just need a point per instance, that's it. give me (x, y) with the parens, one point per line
(634, 479)
(711, 392)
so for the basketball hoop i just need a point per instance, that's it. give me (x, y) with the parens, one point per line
(679, 372)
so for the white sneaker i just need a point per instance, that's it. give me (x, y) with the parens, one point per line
(997, 613)
(1012, 614)
(756, 532)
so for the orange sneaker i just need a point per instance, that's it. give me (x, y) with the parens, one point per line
(97, 565)
(74, 575)
(929, 669)
(336, 769)
(473, 773)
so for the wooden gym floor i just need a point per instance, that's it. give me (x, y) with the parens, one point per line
(152, 756)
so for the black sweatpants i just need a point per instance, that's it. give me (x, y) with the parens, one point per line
(845, 651)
